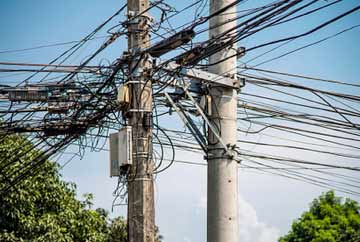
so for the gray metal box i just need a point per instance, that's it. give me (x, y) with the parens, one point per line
(120, 150)
(114, 157)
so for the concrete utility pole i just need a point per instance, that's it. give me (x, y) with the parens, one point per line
(140, 185)
(222, 200)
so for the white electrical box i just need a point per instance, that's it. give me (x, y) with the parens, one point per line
(123, 95)
(125, 146)
(120, 151)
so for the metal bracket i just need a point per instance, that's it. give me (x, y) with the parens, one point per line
(203, 76)
(226, 149)
(193, 129)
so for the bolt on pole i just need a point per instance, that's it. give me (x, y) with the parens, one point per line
(141, 222)
(222, 199)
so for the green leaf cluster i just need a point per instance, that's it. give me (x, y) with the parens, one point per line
(44, 208)
(329, 219)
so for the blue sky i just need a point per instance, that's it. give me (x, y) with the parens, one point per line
(269, 203)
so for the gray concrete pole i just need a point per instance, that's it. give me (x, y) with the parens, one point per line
(141, 212)
(222, 199)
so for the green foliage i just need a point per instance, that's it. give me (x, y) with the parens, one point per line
(158, 236)
(117, 230)
(44, 208)
(328, 220)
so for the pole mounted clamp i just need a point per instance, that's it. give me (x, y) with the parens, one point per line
(203, 76)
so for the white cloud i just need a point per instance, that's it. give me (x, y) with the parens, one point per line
(250, 228)
(202, 202)
(186, 239)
